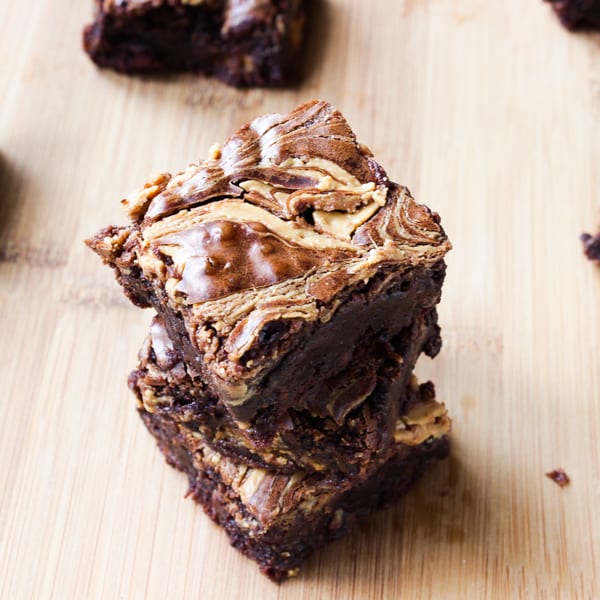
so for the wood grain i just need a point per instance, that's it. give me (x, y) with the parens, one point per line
(490, 112)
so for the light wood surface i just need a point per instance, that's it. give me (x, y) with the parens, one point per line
(490, 113)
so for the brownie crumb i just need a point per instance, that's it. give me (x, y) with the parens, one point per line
(559, 477)
(591, 246)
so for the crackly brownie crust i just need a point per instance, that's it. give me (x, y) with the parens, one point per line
(355, 447)
(278, 520)
(285, 267)
(578, 14)
(242, 42)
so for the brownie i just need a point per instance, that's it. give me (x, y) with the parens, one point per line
(578, 14)
(591, 246)
(356, 448)
(242, 42)
(290, 272)
(276, 519)
(559, 477)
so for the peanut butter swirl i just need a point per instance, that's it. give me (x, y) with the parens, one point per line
(287, 197)
(307, 159)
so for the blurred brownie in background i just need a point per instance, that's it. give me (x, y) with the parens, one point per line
(591, 246)
(241, 42)
(578, 14)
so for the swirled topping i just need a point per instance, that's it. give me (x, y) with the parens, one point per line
(289, 197)
(279, 228)
(289, 164)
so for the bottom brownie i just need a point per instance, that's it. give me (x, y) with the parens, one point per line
(278, 520)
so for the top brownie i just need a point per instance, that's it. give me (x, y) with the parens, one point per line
(242, 42)
(288, 269)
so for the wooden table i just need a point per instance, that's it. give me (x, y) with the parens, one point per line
(490, 112)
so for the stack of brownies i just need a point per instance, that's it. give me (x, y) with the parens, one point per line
(295, 287)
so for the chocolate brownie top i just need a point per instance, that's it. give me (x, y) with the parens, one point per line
(286, 198)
